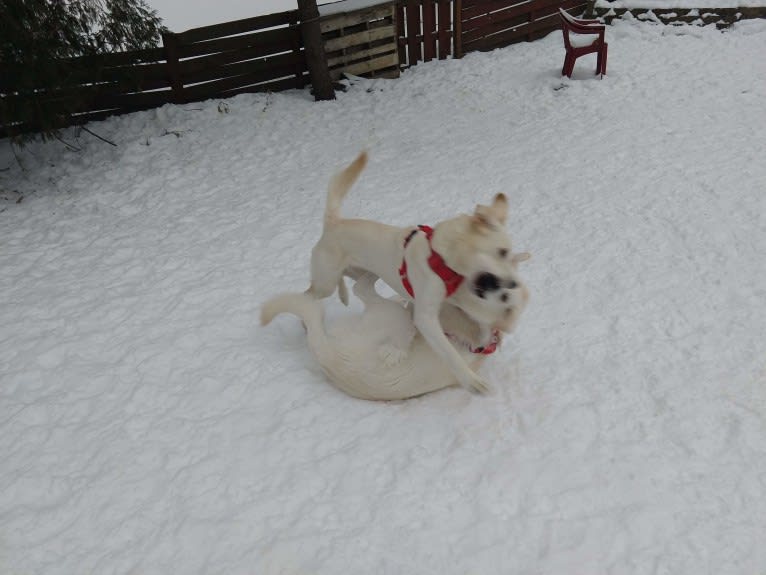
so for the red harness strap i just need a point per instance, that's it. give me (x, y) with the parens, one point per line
(450, 277)
(482, 349)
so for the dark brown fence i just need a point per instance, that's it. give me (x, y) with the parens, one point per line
(266, 53)
(425, 30)
(256, 54)
(488, 24)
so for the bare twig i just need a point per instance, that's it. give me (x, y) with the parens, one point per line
(99, 137)
(68, 145)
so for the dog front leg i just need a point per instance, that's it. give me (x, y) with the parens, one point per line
(430, 294)
(427, 321)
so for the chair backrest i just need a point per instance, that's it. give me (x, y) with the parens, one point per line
(578, 26)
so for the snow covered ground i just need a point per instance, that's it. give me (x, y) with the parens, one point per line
(148, 425)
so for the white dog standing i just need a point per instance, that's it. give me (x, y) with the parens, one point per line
(465, 261)
(380, 355)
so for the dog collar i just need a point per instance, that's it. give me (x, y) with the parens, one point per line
(482, 349)
(450, 277)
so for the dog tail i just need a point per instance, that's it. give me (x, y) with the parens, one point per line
(311, 312)
(340, 185)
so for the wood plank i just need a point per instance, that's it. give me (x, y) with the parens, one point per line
(480, 16)
(273, 86)
(347, 57)
(236, 27)
(279, 62)
(142, 100)
(194, 65)
(457, 22)
(348, 19)
(412, 9)
(537, 28)
(365, 36)
(212, 89)
(444, 29)
(429, 29)
(493, 26)
(117, 59)
(371, 65)
(511, 17)
(170, 42)
(401, 41)
(277, 40)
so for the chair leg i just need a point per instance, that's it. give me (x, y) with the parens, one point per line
(603, 60)
(568, 66)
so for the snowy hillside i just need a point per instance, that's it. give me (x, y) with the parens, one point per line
(148, 425)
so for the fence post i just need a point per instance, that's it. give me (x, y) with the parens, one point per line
(170, 44)
(313, 47)
(457, 28)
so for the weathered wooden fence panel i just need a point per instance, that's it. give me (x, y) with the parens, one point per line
(425, 30)
(252, 55)
(362, 42)
(266, 53)
(489, 24)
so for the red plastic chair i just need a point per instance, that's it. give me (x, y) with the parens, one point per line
(577, 42)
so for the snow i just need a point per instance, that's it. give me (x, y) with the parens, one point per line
(149, 425)
(688, 4)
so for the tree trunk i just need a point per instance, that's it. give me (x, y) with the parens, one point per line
(315, 55)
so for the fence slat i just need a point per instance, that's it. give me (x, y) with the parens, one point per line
(429, 25)
(444, 27)
(170, 41)
(236, 27)
(414, 55)
(400, 35)
(457, 27)
(347, 19)
(269, 41)
(360, 37)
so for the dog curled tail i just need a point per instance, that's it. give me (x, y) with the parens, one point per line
(340, 184)
(311, 312)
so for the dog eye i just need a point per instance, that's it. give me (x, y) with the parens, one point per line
(512, 284)
(503, 252)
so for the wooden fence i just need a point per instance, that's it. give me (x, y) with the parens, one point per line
(426, 30)
(253, 55)
(488, 24)
(266, 53)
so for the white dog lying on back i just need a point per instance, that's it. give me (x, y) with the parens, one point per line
(381, 355)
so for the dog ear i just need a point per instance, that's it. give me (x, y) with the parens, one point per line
(482, 218)
(516, 259)
(499, 208)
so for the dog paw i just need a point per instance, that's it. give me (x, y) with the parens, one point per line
(477, 385)
(391, 355)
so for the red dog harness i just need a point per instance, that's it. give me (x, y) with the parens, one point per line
(482, 349)
(451, 279)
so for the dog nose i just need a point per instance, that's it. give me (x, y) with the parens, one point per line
(487, 282)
